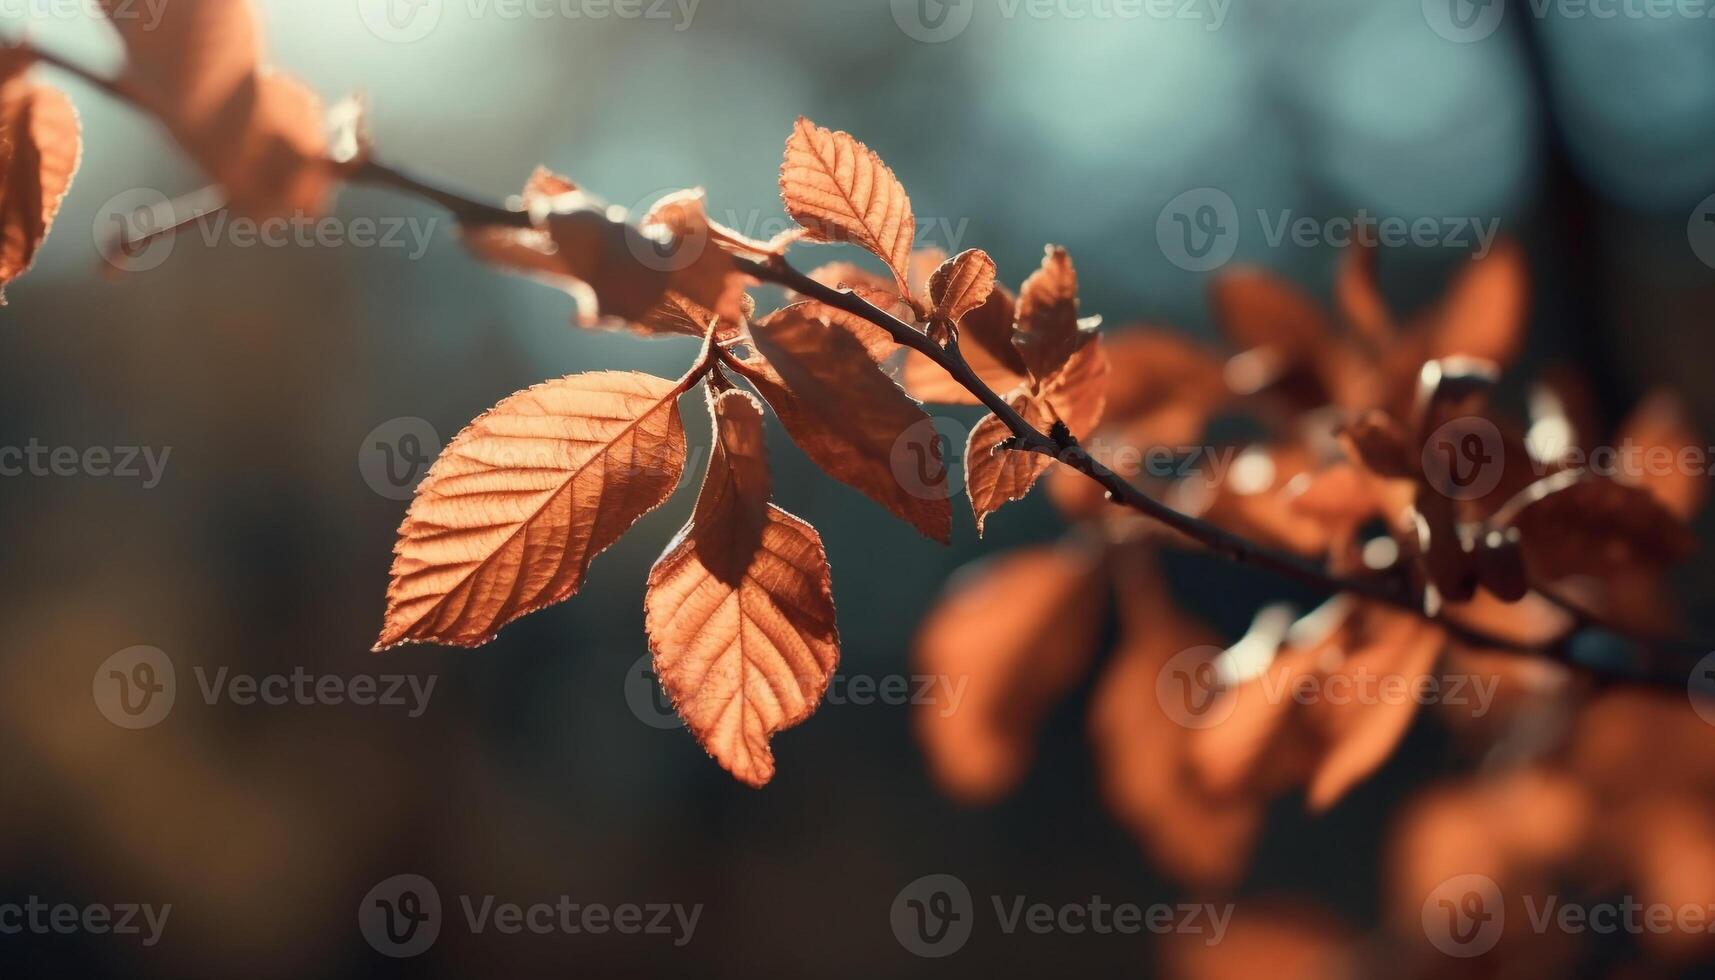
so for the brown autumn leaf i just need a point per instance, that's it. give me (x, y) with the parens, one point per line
(511, 514)
(1078, 392)
(659, 278)
(1361, 736)
(985, 340)
(1014, 634)
(840, 191)
(847, 415)
(260, 134)
(960, 285)
(1258, 309)
(1048, 330)
(1358, 296)
(39, 152)
(1484, 310)
(1148, 780)
(1661, 432)
(996, 476)
(1574, 522)
(685, 214)
(740, 609)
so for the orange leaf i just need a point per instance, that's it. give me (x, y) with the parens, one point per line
(1078, 392)
(995, 476)
(1142, 750)
(518, 504)
(840, 191)
(261, 135)
(39, 152)
(846, 414)
(614, 268)
(1662, 432)
(1258, 309)
(960, 285)
(1361, 736)
(1484, 311)
(1048, 330)
(985, 340)
(1014, 634)
(740, 610)
(1359, 297)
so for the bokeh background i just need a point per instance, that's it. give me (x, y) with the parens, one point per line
(530, 775)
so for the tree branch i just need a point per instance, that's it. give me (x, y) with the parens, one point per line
(1667, 664)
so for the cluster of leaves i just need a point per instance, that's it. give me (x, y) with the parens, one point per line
(739, 608)
(1356, 405)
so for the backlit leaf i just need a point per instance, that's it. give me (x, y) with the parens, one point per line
(740, 610)
(840, 191)
(1013, 635)
(996, 476)
(39, 152)
(960, 285)
(846, 414)
(1048, 329)
(510, 515)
